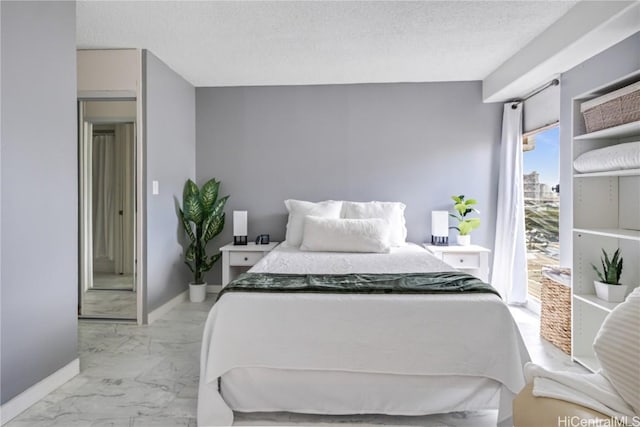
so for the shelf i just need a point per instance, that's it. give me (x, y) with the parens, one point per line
(618, 233)
(622, 172)
(609, 199)
(589, 362)
(621, 131)
(593, 300)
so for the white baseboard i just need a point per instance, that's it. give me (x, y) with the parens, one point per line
(167, 307)
(33, 394)
(214, 289)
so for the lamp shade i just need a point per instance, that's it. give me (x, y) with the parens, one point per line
(440, 227)
(239, 223)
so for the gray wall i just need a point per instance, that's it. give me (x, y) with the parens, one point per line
(613, 63)
(415, 143)
(39, 192)
(170, 159)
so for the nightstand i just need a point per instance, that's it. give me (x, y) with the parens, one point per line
(472, 259)
(239, 258)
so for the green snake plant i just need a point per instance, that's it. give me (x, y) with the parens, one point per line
(611, 268)
(463, 208)
(202, 218)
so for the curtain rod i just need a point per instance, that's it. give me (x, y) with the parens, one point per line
(554, 82)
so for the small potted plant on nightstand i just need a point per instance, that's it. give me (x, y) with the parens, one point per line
(608, 287)
(202, 218)
(465, 225)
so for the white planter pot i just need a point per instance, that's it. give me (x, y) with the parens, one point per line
(610, 293)
(464, 240)
(197, 292)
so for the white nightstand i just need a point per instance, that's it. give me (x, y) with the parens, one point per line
(472, 259)
(239, 258)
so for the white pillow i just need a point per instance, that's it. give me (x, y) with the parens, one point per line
(345, 235)
(392, 212)
(617, 347)
(614, 157)
(298, 209)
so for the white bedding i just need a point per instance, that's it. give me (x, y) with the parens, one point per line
(345, 393)
(470, 336)
(410, 258)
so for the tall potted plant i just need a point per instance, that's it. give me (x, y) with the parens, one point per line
(608, 287)
(465, 225)
(202, 218)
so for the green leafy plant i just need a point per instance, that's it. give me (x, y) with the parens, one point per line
(202, 218)
(463, 208)
(611, 268)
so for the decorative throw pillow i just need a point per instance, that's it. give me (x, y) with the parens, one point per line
(298, 209)
(617, 347)
(392, 212)
(345, 235)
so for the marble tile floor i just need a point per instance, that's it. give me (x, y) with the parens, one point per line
(113, 304)
(112, 281)
(542, 351)
(148, 375)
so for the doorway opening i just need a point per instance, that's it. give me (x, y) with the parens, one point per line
(107, 166)
(541, 164)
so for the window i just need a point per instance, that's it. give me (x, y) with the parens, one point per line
(541, 165)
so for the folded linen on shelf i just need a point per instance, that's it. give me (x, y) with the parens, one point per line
(614, 157)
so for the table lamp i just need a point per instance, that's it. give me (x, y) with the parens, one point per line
(240, 227)
(440, 228)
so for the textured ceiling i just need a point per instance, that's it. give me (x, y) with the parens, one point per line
(246, 43)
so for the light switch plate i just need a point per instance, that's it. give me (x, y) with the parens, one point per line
(156, 188)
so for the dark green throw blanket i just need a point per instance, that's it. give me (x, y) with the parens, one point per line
(404, 283)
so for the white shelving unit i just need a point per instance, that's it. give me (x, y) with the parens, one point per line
(606, 215)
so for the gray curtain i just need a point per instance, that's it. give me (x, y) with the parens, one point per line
(113, 199)
(103, 195)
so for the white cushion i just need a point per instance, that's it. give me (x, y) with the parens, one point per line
(392, 212)
(298, 209)
(617, 347)
(345, 235)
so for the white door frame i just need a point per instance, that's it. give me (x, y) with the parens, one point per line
(85, 192)
(86, 217)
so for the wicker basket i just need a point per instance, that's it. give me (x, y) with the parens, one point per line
(555, 310)
(613, 109)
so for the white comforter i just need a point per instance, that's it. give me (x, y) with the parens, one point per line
(466, 335)
(410, 258)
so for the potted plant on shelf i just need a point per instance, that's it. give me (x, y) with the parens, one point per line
(608, 287)
(202, 218)
(465, 225)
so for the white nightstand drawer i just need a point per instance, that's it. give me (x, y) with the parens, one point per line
(462, 260)
(244, 258)
(473, 259)
(237, 258)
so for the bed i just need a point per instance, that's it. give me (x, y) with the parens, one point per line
(336, 353)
